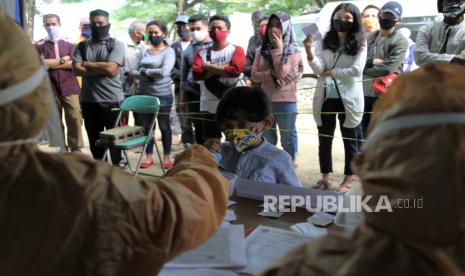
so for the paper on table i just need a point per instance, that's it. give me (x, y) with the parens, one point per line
(195, 272)
(225, 249)
(266, 244)
(309, 230)
(321, 219)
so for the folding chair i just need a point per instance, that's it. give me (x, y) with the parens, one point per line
(138, 104)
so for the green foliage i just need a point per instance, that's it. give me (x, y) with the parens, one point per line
(167, 11)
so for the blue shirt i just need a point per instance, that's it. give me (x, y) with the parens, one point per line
(187, 80)
(265, 163)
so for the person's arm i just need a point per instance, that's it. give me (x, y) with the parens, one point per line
(282, 70)
(287, 174)
(168, 63)
(184, 72)
(54, 63)
(259, 76)
(198, 72)
(110, 68)
(176, 72)
(78, 69)
(316, 62)
(250, 57)
(188, 206)
(356, 69)
(392, 61)
(233, 69)
(422, 53)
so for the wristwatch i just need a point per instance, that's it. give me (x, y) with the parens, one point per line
(62, 61)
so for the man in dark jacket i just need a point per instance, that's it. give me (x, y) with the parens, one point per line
(184, 33)
(386, 52)
(254, 42)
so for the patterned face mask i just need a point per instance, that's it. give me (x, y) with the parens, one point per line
(243, 138)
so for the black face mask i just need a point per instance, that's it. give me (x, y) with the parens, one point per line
(156, 39)
(183, 32)
(342, 26)
(100, 33)
(386, 24)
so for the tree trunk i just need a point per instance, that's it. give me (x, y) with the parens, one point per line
(180, 7)
(28, 8)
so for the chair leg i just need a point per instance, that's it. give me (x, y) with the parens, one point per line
(159, 158)
(106, 154)
(128, 162)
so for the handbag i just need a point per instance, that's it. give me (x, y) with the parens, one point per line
(214, 84)
(382, 84)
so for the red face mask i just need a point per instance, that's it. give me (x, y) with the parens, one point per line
(262, 30)
(218, 35)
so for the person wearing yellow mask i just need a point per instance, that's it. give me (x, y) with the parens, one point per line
(370, 18)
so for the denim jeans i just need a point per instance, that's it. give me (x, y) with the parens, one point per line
(163, 119)
(285, 117)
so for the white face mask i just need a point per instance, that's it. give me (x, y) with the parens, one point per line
(53, 33)
(199, 35)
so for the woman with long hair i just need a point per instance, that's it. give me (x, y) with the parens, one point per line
(276, 68)
(340, 65)
(153, 67)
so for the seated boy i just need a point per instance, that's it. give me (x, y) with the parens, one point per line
(244, 113)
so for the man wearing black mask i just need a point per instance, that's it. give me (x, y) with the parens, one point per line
(98, 60)
(443, 41)
(185, 38)
(386, 52)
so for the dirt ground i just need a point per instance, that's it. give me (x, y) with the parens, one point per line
(308, 166)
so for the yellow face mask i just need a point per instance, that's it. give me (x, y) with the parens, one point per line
(243, 138)
(370, 24)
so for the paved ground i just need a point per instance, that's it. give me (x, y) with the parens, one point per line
(308, 167)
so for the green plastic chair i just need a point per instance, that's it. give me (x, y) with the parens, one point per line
(138, 104)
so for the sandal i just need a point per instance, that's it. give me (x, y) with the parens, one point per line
(145, 165)
(322, 185)
(344, 188)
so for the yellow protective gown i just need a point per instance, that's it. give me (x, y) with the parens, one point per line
(70, 215)
(411, 163)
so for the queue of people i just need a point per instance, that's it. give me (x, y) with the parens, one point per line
(90, 218)
(361, 53)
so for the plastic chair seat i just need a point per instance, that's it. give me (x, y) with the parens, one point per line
(130, 144)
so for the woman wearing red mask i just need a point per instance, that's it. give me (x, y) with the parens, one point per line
(276, 68)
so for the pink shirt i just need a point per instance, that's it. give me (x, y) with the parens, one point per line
(261, 73)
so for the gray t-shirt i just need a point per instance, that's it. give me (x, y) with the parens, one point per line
(102, 88)
(157, 79)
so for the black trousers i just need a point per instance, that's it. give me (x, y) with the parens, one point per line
(326, 133)
(193, 109)
(187, 123)
(97, 118)
(369, 103)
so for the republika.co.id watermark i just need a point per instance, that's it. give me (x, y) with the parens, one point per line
(339, 203)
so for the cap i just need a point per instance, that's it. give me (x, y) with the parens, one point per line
(182, 19)
(392, 7)
(257, 15)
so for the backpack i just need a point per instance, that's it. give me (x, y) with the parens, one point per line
(82, 47)
(214, 84)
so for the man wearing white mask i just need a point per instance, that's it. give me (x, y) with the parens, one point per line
(56, 53)
(190, 90)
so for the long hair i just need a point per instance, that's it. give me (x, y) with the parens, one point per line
(355, 36)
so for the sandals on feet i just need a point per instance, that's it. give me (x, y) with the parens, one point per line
(322, 185)
(344, 188)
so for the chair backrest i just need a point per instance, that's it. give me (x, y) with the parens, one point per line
(141, 104)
